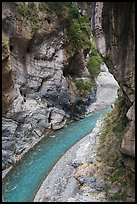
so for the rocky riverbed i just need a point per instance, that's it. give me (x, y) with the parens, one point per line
(78, 176)
(75, 178)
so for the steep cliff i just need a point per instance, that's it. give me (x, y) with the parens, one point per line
(46, 72)
(113, 27)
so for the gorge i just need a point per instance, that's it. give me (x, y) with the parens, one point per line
(49, 66)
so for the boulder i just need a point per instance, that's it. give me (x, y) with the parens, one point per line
(57, 118)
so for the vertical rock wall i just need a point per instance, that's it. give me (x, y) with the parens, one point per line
(36, 96)
(113, 26)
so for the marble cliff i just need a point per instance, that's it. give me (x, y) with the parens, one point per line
(41, 59)
(41, 64)
(113, 26)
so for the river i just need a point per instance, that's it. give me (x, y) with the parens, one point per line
(23, 182)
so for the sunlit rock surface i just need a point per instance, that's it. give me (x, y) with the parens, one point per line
(35, 92)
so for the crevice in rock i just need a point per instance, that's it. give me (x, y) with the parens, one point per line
(15, 121)
(11, 47)
(49, 117)
(48, 19)
(69, 69)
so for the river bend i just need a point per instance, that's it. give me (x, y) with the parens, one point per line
(23, 182)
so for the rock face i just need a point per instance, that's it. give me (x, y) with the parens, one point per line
(36, 95)
(113, 26)
(7, 75)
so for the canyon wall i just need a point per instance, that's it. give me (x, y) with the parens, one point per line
(40, 58)
(113, 27)
(37, 94)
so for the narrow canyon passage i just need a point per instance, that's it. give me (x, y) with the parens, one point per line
(64, 66)
(63, 182)
(25, 179)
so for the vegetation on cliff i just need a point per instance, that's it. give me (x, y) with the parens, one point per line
(81, 86)
(94, 62)
(29, 11)
(6, 75)
(78, 29)
(5, 48)
(113, 129)
(75, 26)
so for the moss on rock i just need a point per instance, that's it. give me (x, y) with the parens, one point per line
(5, 48)
(94, 62)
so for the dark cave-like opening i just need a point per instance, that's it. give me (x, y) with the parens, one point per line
(11, 47)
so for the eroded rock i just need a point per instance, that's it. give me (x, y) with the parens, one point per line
(118, 51)
(35, 91)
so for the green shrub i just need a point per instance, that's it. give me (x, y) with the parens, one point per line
(5, 48)
(94, 51)
(60, 9)
(74, 33)
(94, 62)
(117, 175)
(29, 12)
(73, 12)
(82, 87)
(119, 127)
(94, 65)
(118, 196)
(43, 6)
(78, 28)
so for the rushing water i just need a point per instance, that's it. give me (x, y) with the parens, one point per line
(23, 182)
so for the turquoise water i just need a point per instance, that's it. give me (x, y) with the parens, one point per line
(22, 184)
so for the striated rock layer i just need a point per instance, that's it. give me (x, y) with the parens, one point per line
(36, 95)
(113, 26)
